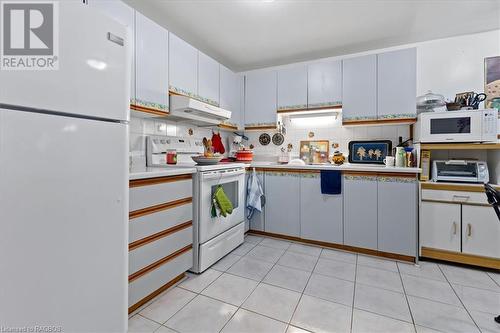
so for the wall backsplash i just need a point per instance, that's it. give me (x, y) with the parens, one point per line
(332, 131)
(141, 127)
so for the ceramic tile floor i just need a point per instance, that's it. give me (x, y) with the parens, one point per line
(271, 286)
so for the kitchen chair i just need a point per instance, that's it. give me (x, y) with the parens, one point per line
(494, 200)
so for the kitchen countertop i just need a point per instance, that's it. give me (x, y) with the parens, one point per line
(148, 172)
(343, 167)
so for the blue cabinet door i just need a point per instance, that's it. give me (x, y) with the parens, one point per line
(260, 99)
(292, 88)
(397, 84)
(324, 84)
(183, 67)
(231, 85)
(359, 88)
(257, 220)
(320, 214)
(282, 203)
(208, 79)
(360, 211)
(397, 215)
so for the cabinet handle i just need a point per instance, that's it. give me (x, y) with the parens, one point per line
(469, 229)
(461, 197)
(454, 228)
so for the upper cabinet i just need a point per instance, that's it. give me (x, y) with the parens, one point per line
(359, 88)
(397, 84)
(260, 100)
(208, 79)
(380, 88)
(183, 65)
(324, 84)
(292, 88)
(125, 15)
(151, 66)
(231, 85)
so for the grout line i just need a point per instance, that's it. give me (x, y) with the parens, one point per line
(354, 292)
(463, 305)
(406, 298)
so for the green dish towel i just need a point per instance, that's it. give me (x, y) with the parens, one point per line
(220, 198)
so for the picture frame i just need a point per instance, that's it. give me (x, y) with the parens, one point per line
(369, 152)
(492, 82)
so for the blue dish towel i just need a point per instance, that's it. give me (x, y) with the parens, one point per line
(331, 182)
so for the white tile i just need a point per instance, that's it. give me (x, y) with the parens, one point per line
(363, 322)
(383, 302)
(330, 289)
(379, 278)
(248, 322)
(338, 269)
(135, 125)
(388, 265)
(293, 329)
(140, 324)
(149, 126)
(422, 329)
(298, 260)
(265, 253)
(226, 262)
(230, 289)
(168, 304)
(243, 248)
(439, 316)
(202, 314)
(164, 329)
(438, 291)
(250, 268)
(469, 277)
(485, 321)
(198, 282)
(305, 249)
(276, 243)
(274, 302)
(287, 277)
(253, 239)
(339, 255)
(478, 299)
(428, 270)
(317, 315)
(495, 277)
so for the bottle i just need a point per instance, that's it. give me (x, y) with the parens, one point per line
(400, 157)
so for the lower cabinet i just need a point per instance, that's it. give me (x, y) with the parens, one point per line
(360, 211)
(480, 231)
(397, 215)
(282, 213)
(257, 220)
(320, 214)
(440, 226)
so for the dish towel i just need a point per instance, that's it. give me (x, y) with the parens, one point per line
(222, 202)
(255, 195)
(331, 182)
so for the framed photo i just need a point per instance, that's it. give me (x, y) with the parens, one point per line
(492, 81)
(369, 151)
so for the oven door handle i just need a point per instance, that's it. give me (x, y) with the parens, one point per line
(222, 175)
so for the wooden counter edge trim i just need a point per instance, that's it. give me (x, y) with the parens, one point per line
(229, 127)
(158, 208)
(149, 110)
(154, 237)
(158, 180)
(454, 187)
(463, 258)
(156, 264)
(156, 293)
(305, 110)
(256, 128)
(377, 253)
(380, 121)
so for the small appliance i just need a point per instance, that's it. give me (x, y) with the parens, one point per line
(469, 171)
(457, 126)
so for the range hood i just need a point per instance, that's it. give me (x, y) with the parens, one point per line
(187, 109)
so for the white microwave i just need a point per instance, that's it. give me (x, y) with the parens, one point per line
(457, 126)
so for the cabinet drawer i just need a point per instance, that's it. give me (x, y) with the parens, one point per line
(159, 191)
(455, 196)
(152, 281)
(147, 225)
(149, 253)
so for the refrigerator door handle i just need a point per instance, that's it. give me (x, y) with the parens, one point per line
(115, 39)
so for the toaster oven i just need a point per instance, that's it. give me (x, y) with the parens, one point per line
(460, 171)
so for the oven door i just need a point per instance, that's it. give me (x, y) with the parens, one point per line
(233, 183)
(451, 127)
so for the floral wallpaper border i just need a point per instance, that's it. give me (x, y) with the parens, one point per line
(324, 104)
(149, 105)
(195, 96)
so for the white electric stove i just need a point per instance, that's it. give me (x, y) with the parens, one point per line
(213, 237)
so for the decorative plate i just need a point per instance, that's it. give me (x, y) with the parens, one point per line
(372, 152)
(264, 139)
(278, 139)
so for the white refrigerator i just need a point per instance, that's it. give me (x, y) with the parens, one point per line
(64, 182)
